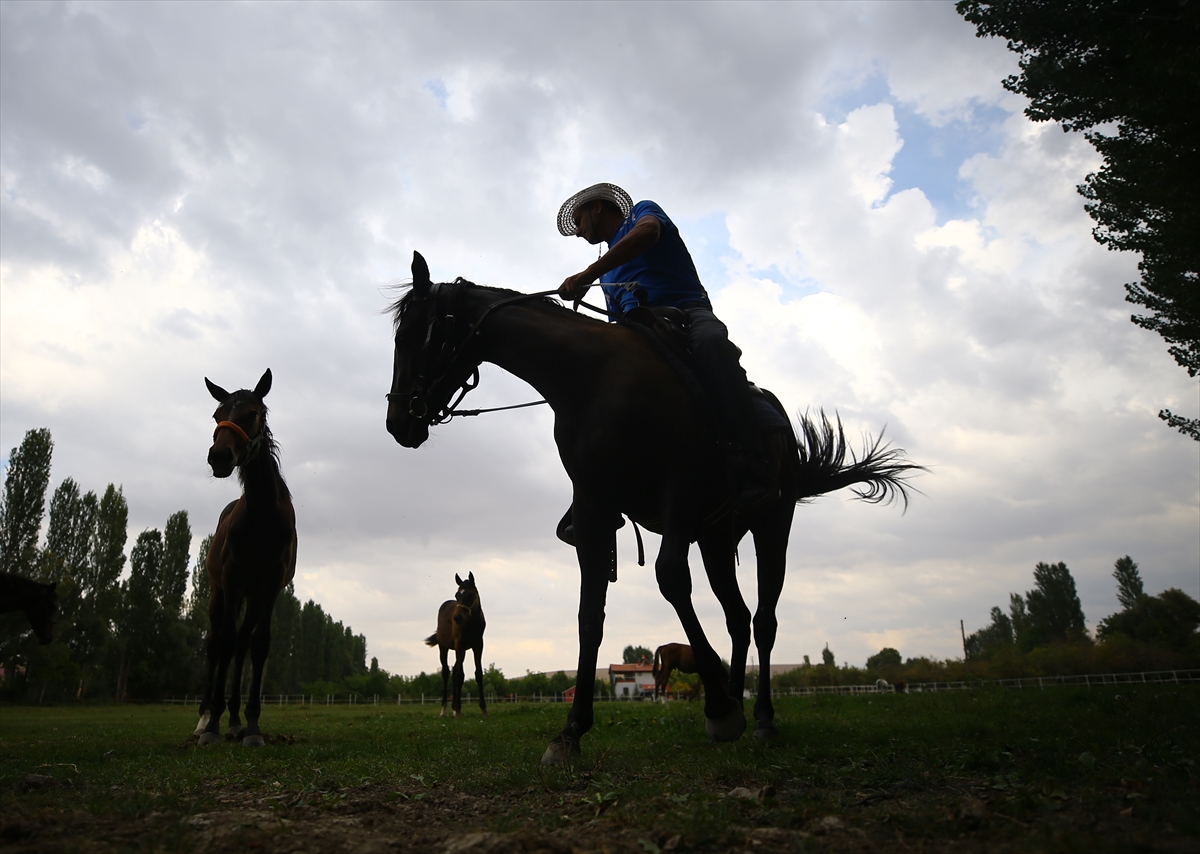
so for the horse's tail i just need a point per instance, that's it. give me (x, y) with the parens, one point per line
(431, 640)
(883, 471)
(657, 661)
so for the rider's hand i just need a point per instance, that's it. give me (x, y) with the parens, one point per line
(574, 287)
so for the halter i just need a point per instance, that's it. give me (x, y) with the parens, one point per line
(418, 406)
(252, 445)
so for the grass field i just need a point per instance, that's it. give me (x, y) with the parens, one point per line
(996, 770)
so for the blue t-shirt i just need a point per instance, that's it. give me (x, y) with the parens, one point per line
(665, 271)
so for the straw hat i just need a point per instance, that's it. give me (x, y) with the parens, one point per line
(603, 192)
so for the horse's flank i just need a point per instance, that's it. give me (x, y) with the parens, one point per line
(38, 601)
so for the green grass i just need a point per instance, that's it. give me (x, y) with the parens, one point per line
(1046, 770)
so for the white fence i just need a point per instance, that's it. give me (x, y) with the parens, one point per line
(1095, 680)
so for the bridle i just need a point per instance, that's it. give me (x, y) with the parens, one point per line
(426, 385)
(252, 445)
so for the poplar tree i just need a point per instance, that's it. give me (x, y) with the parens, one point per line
(24, 501)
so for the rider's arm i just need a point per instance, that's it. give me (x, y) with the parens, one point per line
(642, 236)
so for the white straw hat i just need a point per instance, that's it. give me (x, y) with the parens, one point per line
(603, 192)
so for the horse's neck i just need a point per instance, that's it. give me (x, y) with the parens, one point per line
(262, 484)
(553, 351)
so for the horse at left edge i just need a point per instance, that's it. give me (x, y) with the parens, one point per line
(251, 559)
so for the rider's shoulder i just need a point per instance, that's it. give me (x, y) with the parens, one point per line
(648, 208)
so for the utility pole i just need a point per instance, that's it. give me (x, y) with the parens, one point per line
(962, 631)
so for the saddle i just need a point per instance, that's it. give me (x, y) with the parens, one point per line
(666, 328)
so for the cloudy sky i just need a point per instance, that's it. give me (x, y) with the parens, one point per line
(195, 190)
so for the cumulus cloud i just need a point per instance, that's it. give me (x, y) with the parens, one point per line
(209, 190)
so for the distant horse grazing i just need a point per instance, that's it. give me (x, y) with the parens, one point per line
(634, 441)
(251, 559)
(460, 628)
(37, 600)
(668, 657)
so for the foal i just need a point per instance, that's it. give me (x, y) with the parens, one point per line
(37, 600)
(460, 627)
(251, 559)
(668, 657)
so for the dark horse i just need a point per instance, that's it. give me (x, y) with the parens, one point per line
(668, 657)
(460, 628)
(38, 601)
(251, 559)
(634, 441)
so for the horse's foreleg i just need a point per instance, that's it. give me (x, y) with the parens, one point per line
(717, 548)
(595, 545)
(225, 644)
(725, 720)
(479, 676)
(239, 661)
(444, 651)
(211, 649)
(260, 647)
(458, 681)
(770, 544)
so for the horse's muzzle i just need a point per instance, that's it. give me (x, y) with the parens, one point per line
(406, 430)
(221, 461)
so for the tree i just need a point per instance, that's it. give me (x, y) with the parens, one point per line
(171, 584)
(992, 639)
(827, 657)
(1129, 582)
(197, 608)
(1134, 65)
(635, 654)
(1054, 611)
(886, 657)
(24, 501)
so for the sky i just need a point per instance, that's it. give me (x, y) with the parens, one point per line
(193, 190)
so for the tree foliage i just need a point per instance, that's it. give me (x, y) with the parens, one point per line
(24, 501)
(635, 654)
(1125, 73)
(1169, 619)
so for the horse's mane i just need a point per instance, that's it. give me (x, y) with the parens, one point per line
(397, 308)
(269, 445)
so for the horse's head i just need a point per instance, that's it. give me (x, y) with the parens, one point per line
(467, 594)
(241, 425)
(429, 365)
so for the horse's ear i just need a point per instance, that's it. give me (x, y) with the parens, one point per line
(458, 580)
(420, 275)
(264, 385)
(219, 394)
(471, 578)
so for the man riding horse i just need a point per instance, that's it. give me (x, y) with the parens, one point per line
(648, 264)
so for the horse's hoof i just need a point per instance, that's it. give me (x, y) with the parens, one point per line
(766, 731)
(207, 738)
(235, 731)
(443, 714)
(728, 727)
(253, 741)
(458, 714)
(559, 754)
(203, 725)
(485, 714)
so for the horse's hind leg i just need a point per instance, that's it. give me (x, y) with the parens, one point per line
(716, 548)
(770, 544)
(724, 718)
(260, 646)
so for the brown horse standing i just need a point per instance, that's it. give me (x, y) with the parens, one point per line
(38, 601)
(251, 559)
(460, 627)
(668, 657)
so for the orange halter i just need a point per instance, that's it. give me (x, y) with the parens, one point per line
(231, 426)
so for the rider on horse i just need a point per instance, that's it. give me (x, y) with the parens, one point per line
(644, 247)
